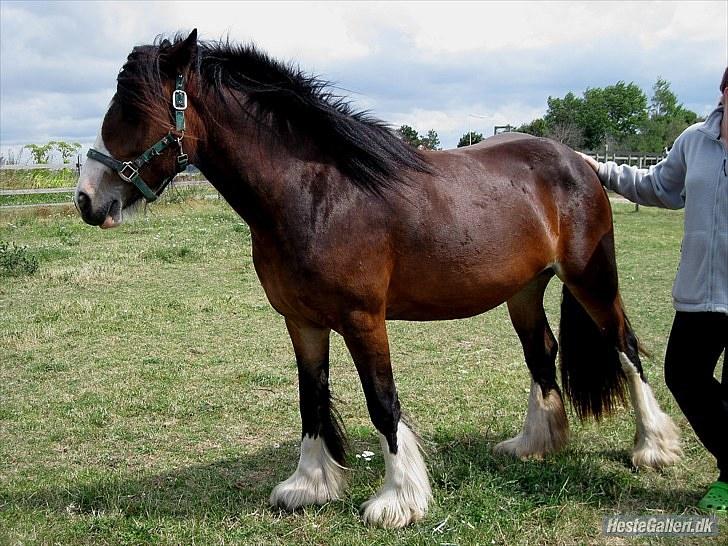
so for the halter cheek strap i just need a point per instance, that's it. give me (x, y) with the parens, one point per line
(128, 171)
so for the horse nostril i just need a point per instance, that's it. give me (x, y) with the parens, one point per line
(83, 201)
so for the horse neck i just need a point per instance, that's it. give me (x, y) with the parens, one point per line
(256, 172)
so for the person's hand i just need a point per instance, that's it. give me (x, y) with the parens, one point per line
(590, 161)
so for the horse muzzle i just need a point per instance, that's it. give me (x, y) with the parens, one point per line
(106, 216)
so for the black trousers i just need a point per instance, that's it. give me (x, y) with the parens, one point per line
(696, 342)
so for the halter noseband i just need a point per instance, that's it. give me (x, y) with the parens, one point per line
(128, 171)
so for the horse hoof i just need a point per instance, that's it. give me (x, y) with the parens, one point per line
(303, 490)
(391, 509)
(406, 492)
(317, 480)
(519, 448)
(658, 449)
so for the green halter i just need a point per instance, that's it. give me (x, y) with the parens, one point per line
(128, 171)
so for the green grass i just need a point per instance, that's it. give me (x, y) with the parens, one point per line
(176, 194)
(37, 178)
(35, 199)
(148, 395)
(26, 179)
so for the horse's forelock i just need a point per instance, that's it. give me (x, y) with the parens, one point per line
(139, 90)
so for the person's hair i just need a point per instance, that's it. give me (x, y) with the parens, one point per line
(724, 81)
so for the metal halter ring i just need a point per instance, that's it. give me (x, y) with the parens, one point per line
(132, 168)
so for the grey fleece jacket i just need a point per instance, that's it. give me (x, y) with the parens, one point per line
(694, 175)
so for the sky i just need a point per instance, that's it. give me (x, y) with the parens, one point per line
(448, 66)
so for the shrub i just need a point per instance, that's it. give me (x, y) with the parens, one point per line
(16, 261)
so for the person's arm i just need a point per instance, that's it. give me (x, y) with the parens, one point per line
(662, 185)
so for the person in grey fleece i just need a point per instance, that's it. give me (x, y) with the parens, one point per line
(694, 175)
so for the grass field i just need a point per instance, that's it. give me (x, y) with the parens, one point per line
(35, 199)
(38, 178)
(148, 395)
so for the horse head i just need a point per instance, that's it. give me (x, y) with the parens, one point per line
(140, 146)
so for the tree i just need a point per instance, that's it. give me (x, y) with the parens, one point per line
(40, 152)
(409, 134)
(470, 138)
(615, 112)
(563, 112)
(66, 149)
(663, 101)
(430, 141)
(568, 133)
(668, 118)
(538, 127)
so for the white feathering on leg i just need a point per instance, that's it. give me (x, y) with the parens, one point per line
(545, 430)
(317, 479)
(657, 440)
(405, 494)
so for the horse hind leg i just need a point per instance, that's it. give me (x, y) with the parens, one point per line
(599, 354)
(546, 427)
(657, 439)
(320, 475)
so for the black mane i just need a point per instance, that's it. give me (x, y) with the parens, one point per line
(362, 147)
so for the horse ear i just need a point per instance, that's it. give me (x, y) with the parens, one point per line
(180, 56)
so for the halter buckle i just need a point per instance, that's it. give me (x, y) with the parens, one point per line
(133, 171)
(179, 100)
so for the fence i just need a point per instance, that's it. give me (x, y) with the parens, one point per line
(636, 160)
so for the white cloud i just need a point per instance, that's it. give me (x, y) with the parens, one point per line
(320, 32)
(462, 27)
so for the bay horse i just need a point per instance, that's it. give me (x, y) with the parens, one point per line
(351, 227)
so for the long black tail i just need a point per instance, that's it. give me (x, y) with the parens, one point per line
(591, 373)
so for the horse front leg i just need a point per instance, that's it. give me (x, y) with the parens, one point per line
(320, 475)
(406, 493)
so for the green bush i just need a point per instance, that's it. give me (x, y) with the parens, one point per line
(16, 261)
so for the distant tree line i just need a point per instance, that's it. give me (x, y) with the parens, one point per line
(429, 141)
(618, 116)
(470, 138)
(41, 153)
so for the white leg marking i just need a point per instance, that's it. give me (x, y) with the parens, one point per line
(406, 493)
(545, 430)
(317, 479)
(657, 440)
